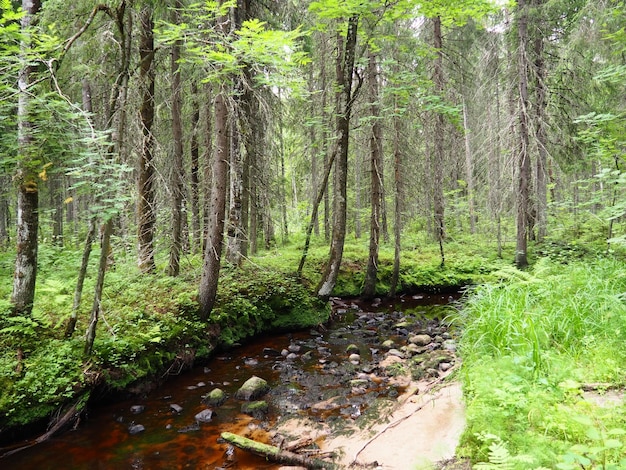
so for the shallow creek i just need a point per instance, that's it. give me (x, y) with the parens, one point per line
(311, 373)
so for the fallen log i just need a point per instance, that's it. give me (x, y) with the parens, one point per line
(274, 454)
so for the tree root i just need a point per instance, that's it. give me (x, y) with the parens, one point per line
(72, 414)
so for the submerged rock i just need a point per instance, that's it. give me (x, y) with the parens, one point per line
(204, 416)
(136, 428)
(136, 409)
(176, 408)
(252, 389)
(256, 409)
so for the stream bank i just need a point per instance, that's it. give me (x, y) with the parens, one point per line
(330, 375)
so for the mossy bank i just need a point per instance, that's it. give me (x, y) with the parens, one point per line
(149, 327)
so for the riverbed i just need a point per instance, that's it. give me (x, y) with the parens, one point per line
(331, 378)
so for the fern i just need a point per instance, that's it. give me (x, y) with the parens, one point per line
(499, 456)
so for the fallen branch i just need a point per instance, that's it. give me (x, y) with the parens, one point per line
(274, 454)
(72, 413)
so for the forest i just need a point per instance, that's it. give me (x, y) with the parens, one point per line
(180, 176)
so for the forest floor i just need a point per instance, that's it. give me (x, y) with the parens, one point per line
(421, 431)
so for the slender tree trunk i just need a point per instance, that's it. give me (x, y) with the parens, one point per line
(196, 237)
(397, 225)
(254, 211)
(439, 144)
(376, 161)
(4, 213)
(358, 158)
(345, 70)
(325, 139)
(495, 176)
(116, 104)
(208, 166)
(55, 188)
(146, 210)
(282, 193)
(523, 157)
(82, 273)
(316, 204)
(177, 160)
(217, 209)
(105, 247)
(469, 171)
(234, 232)
(314, 149)
(25, 275)
(540, 133)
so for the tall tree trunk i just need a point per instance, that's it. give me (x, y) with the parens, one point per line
(55, 188)
(25, 275)
(234, 230)
(345, 69)
(439, 150)
(217, 209)
(358, 158)
(469, 171)
(523, 157)
(4, 212)
(282, 192)
(316, 204)
(177, 160)
(397, 224)
(254, 210)
(541, 196)
(208, 165)
(376, 161)
(196, 237)
(146, 210)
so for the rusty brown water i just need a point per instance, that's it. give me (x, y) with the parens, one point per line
(173, 440)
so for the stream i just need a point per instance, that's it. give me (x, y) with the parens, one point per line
(331, 374)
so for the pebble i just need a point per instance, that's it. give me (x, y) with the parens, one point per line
(176, 408)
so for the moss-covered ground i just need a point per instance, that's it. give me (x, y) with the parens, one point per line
(532, 340)
(149, 323)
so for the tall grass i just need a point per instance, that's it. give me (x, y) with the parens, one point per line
(529, 344)
(564, 308)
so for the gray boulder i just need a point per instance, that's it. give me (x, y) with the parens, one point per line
(252, 389)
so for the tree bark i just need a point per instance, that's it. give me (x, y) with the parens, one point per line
(469, 171)
(146, 210)
(234, 231)
(345, 70)
(316, 204)
(217, 209)
(397, 213)
(25, 275)
(82, 273)
(55, 188)
(177, 157)
(196, 236)
(105, 248)
(4, 213)
(523, 157)
(439, 150)
(376, 162)
(541, 196)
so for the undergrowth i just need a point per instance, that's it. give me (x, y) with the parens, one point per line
(531, 343)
